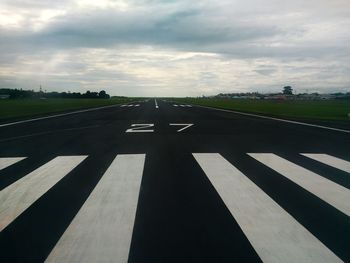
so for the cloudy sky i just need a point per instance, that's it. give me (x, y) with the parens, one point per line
(175, 47)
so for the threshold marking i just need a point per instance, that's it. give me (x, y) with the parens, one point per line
(182, 105)
(275, 235)
(330, 160)
(130, 105)
(20, 195)
(102, 229)
(330, 192)
(5, 162)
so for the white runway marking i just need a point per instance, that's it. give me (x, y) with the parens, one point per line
(330, 160)
(5, 162)
(130, 105)
(182, 105)
(141, 127)
(187, 125)
(47, 132)
(330, 192)
(57, 115)
(156, 104)
(102, 229)
(275, 235)
(20, 195)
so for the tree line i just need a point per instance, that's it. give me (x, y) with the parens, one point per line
(24, 94)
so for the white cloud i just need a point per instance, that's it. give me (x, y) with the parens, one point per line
(164, 48)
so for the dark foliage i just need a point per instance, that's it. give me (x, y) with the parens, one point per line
(287, 90)
(25, 94)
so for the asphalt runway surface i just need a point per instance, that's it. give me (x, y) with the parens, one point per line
(158, 181)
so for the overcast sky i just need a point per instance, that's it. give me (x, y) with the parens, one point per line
(175, 47)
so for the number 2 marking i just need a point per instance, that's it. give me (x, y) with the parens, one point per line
(141, 127)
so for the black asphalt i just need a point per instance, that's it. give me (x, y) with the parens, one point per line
(180, 217)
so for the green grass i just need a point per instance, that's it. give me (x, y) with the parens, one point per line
(21, 108)
(332, 110)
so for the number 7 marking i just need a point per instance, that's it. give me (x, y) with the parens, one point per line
(187, 125)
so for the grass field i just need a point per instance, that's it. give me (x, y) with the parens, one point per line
(13, 109)
(332, 110)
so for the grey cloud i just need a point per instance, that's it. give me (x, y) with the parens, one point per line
(34, 4)
(298, 39)
(190, 30)
(265, 72)
(179, 29)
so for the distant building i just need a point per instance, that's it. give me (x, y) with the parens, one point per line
(327, 97)
(276, 97)
(4, 96)
(282, 97)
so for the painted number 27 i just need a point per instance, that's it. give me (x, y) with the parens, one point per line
(149, 127)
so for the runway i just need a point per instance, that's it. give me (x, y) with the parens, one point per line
(160, 181)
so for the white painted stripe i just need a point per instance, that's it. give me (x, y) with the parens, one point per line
(124, 105)
(102, 229)
(276, 119)
(175, 105)
(17, 197)
(5, 162)
(137, 105)
(330, 192)
(275, 235)
(330, 160)
(58, 115)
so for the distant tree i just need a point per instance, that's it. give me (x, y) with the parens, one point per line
(103, 95)
(24, 94)
(287, 90)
